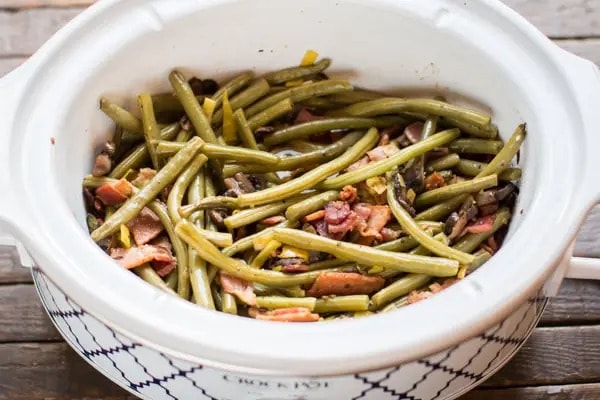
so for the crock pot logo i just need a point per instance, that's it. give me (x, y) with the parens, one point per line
(272, 384)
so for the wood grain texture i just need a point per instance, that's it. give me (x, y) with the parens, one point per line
(51, 370)
(577, 302)
(554, 356)
(22, 316)
(566, 392)
(10, 268)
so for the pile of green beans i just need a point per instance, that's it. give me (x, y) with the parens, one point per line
(273, 218)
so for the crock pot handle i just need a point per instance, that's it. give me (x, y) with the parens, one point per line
(585, 77)
(11, 219)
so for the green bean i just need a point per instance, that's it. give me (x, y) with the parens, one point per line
(489, 132)
(248, 96)
(134, 205)
(181, 185)
(117, 139)
(314, 203)
(399, 288)
(219, 239)
(207, 203)
(394, 305)
(218, 151)
(265, 254)
(228, 303)
(504, 157)
(199, 278)
(292, 291)
(307, 129)
(291, 163)
(445, 162)
(275, 302)
(267, 115)
(471, 241)
(481, 257)
(251, 215)
(293, 73)
(238, 268)
(121, 117)
(140, 154)
(233, 86)
(336, 304)
(183, 136)
(147, 273)
(303, 146)
(476, 146)
(309, 179)
(444, 193)
(171, 280)
(319, 103)
(167, 102)
(394, 105)
(327, 264)
(216, 294)
(192, 107)
(245, 133)
(300, 93)
(442, 210)
(473, 168)
(434, 266)
(381, 167)
(413, 229)
(355, 96)
(210, 190)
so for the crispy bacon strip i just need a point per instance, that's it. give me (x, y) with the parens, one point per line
(349, 194)
(137, 256)
(344, 283)
(482, 225)
(145, 227)
(241, 289)
(292, 314)
(112, 194)
(434, 181)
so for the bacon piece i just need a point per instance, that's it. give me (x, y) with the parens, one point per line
(336, 212)
(112, 194)
(345, 226)
(363, 210)
(315, 216)
(382, 152)
(349, 194)
(145, 227)
(384, 138)
(294, 268)
(482, 225)
(434, 181)
(136, 256)
(418, 295)
(306, 116)
(163, 268)
(387, 234)
(358, 164)
(378, 218)
(344, 283)
(240, 288)
(413, 131)
(274, 220)
(143, 177)
(292, 314)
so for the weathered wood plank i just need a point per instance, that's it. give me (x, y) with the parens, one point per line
(15, 4)
(561, 18)
(51, 370)
(578, 302)
(588, 241)
(554, 356)
(589, 391)
(10, 268)
(22, 316)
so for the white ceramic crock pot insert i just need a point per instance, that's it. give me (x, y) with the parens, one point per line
(51, 127)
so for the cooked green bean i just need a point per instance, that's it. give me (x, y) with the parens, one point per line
(199, 279)
(147, 273)
(445, 162)
(228, 303)
(476, 146)
(488, 132)
(293, 73)
(433, 266)
(238, 268)
(304, 130)
(320, 103)
(218, 151)
(399, 288)
(394, 105)
(183, 136)
(267, 115)
(291, 163)
(309, 179)
(134, 205)
(233, 86)
(192, 107)
(248, 96)
(292, 291)
(121, 116)
(300, 93)
(246, 242)
(275, 302)
(412, 228)
(167, 102)
(181, 185)
(444, 193)
(251, 215)
(481, 257)
(140, 154)
(504, 157)
(310, 205)
(171, 280)
(265, 254)
(381, 167)
(442, 210)
(355, 96)
(473, 168)
(351, 303)
(471, 241)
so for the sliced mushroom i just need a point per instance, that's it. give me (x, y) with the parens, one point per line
(402, 194)
(457, 221)
(244, 182)
(217, 216)
(487, 202)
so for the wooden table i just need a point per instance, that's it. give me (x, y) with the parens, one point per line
(560, 361)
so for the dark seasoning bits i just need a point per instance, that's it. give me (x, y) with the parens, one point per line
(295, 197)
